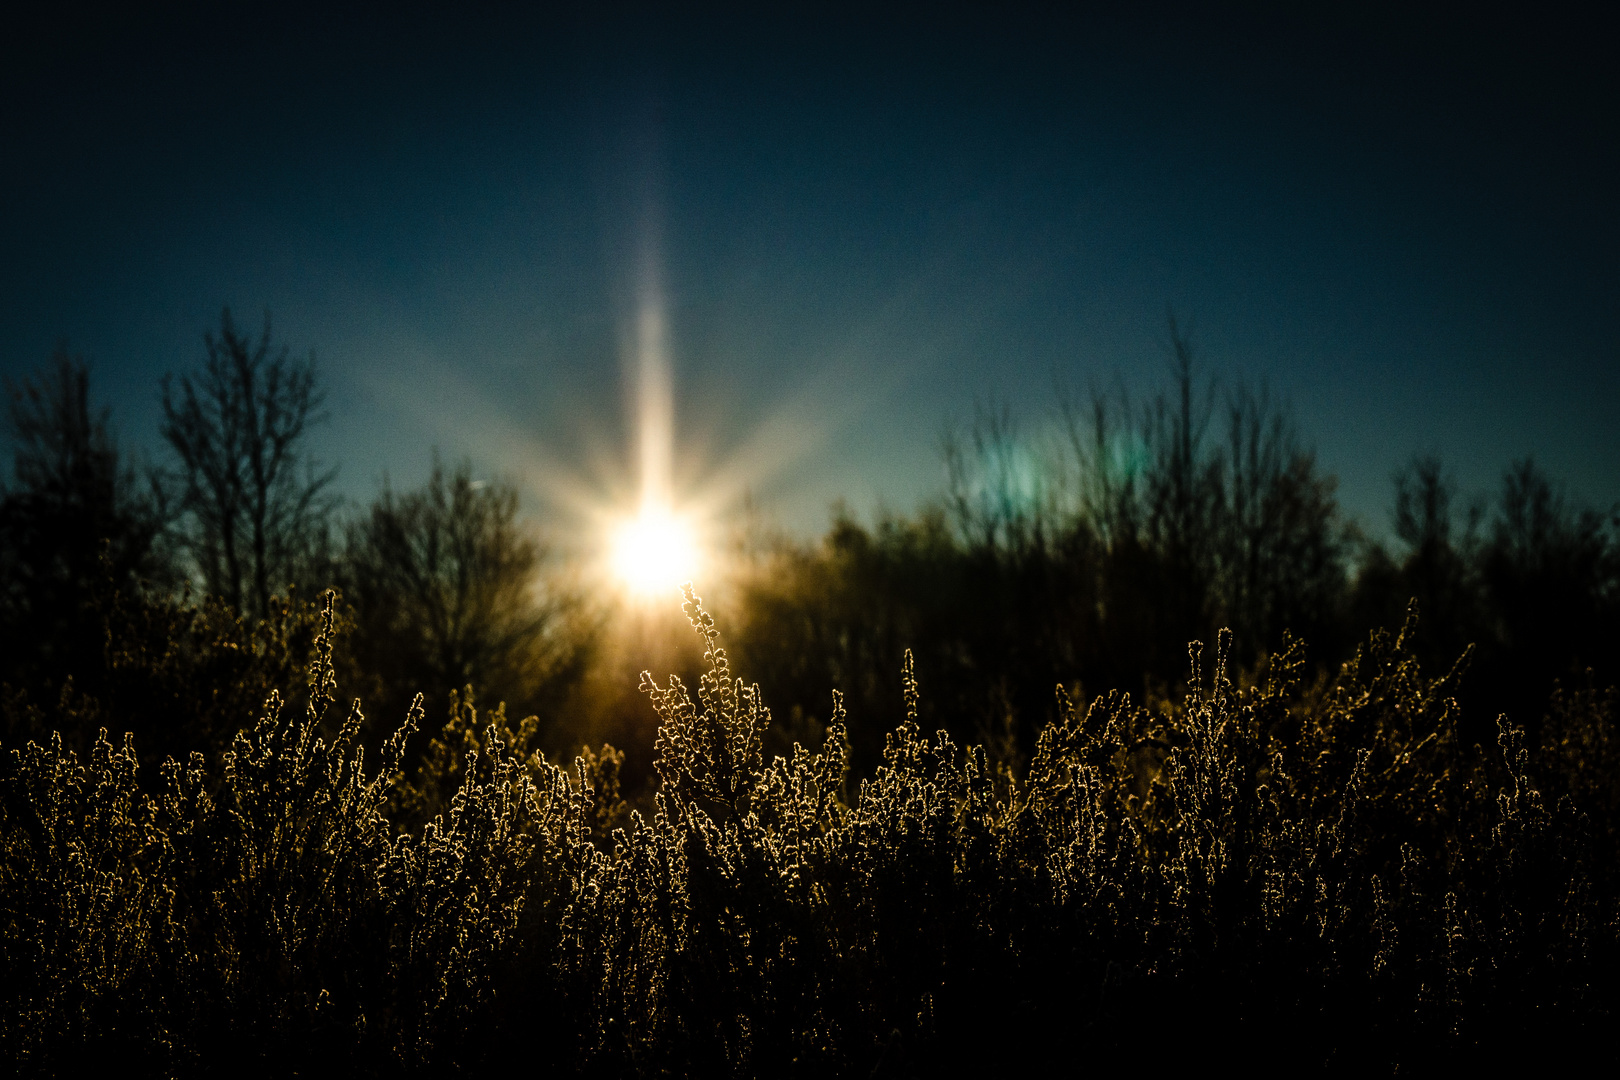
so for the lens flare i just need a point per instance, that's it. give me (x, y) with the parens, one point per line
(655, 552)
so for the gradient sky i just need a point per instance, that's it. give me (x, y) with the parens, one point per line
(1405, 223)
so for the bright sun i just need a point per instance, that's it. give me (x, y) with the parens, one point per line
(654, 552)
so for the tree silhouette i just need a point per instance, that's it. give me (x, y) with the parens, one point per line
(1550, 575)
(1282, 544)
(74, 518)
(257, 505)
(447, 592)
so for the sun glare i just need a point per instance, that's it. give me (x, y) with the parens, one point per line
(658, 550)
(654, 553)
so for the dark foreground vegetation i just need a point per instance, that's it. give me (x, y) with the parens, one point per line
(1397, 850)
(1323, 875)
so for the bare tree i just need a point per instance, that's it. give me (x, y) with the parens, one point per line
(1283, 544)
(258, 505)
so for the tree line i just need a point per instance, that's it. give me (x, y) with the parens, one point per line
(126, 584)
(1091, 563)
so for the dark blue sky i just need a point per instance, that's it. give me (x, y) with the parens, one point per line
(1406, 223)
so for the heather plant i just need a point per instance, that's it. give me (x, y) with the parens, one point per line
(81, 902)
(1321, 867)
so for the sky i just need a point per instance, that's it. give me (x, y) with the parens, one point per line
(858, 227)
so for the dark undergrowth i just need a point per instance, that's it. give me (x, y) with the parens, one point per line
(1291, 874)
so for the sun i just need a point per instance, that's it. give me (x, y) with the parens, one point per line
(654, 552)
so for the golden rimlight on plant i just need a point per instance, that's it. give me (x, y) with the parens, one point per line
(1326, 868)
